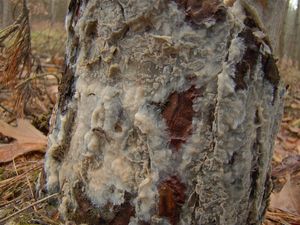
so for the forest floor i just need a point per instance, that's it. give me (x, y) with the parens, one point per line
(23, 200)
(285, 199)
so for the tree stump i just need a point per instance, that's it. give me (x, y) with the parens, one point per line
(167, 114)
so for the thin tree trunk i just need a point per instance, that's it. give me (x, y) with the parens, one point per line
(295, 36)
(167, 114)
(290, 35)
(1, 13)
(281, 48)
(7, 13)
(53, 11)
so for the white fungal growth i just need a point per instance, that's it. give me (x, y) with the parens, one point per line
(146, 199)
(109, 183)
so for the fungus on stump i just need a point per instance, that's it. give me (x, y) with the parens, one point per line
(167, 114)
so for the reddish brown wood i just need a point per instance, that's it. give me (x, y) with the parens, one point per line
(199, 10)
(178, 115)
(123, 216)
(171, 198)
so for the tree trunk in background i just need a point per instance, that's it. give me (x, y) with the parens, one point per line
(281, 49)
(7, 16)
(1, 13)
(58, 10)
(167, 114)
(53, 11)
(290, 33)
(297, 36)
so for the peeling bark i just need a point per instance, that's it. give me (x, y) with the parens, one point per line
(167, 114)
(66, 89)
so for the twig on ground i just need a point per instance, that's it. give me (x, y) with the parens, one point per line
(15, 167)
(32, 195)
(37, 77)
(27, 207)
(6, 109)
(14, 179)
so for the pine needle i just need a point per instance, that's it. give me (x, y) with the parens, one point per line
(15, 54)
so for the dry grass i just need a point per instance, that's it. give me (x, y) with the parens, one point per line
(21, 196)
(22, 201)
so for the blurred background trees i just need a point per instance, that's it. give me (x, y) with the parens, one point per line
(41, 10)
(32, 45)
(281, 18)
(290, 48)
(7, 12)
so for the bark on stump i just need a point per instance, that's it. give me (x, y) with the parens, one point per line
(167, 114)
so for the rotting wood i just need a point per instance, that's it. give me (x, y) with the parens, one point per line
(168, 115)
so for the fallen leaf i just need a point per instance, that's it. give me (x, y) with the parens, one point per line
(294, 130)
(280, 153)
(289, 146)
(51, 69)
(287, 119)
(296, 123)
(295, 106)
(289, 165)
(292, 139)
(28, 139)
(277, 158)
(279, 217)
(288, 199)
(8, 152)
